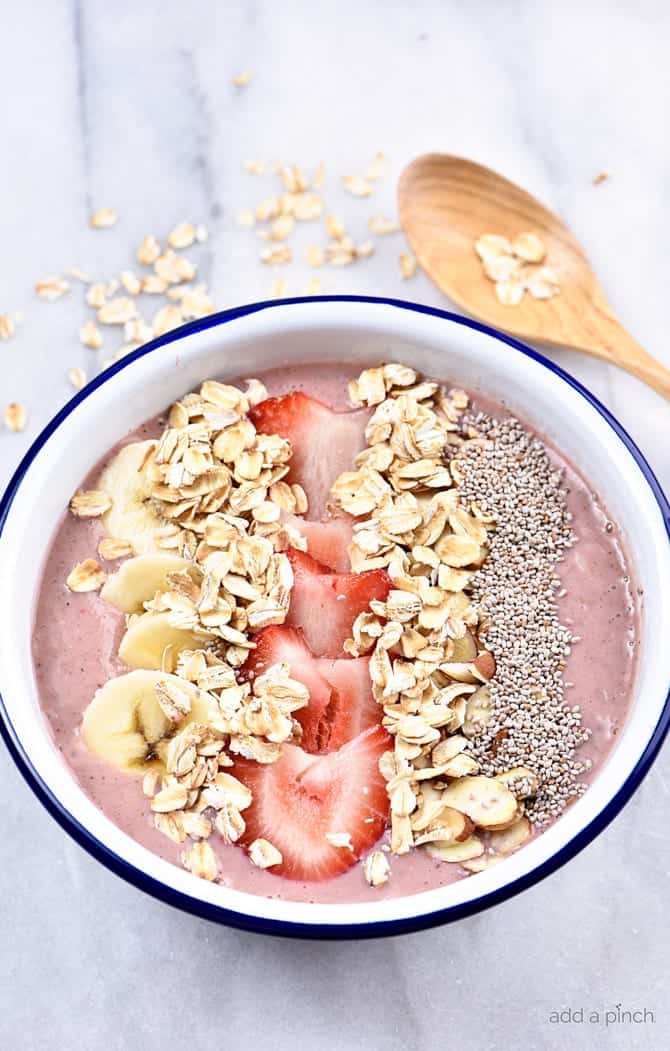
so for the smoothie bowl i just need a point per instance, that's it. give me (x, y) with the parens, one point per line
(334, 617)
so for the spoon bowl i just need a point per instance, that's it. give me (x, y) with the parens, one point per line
(446, 203)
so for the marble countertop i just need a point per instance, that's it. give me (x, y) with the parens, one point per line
(131, 106)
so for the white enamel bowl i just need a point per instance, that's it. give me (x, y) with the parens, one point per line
(356, 330)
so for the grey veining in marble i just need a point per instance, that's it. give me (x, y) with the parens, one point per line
(130, 105)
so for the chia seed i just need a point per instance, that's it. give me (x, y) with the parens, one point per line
(511, 477)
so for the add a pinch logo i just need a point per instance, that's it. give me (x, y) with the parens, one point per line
(606, 1016)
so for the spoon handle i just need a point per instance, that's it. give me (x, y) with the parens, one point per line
(625, 352)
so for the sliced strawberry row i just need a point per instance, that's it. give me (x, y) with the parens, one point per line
(331, 785)
(324, 442)
(301, 799)
(325, 605)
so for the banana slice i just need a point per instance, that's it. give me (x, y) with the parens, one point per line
(147, 638)
(132, 516)
(125, 725)
(485, 800)
(469, 848)
(137, 580)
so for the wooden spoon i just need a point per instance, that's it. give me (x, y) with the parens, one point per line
(446, 203)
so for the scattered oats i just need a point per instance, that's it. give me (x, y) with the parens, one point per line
(364, 250)
(240, 80)
(137, 332)
(255, 167)
(117, 311)
(52, 288)
(6, 326)
(314, 255)
(77, 377)
(111, 549)
(307, 206)
(340, 839)
(104, 218)
(264, 855)
(166, 319)
(510, 293)
(282, 227)
(149, 250)
(335, 227)
(182, 236)
(79, 275)
(90, 335)
(130, 282)
(408, 265)
(529, 247)
(278, 288)
(341, 253)
(293, 179)
(376, 169)
(195, 302)
(319, 176)
(600, 177)
(15, 416)
(152, 285)
(86, 576)
(277, 255)
(90, 503)
(357, 185)
(378, 224)
(246, 218)
(269, 208)
(312, 288)
(376, 868)
(201, 860)
(173, 268)
(96, 295)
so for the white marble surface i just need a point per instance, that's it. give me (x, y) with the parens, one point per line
(130, 105)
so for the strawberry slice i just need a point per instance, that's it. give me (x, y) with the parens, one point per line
(353, 708)
(279, 643)
(301, 798)
(324, 442)
(327, 541)
(325, 605)
(341, 704)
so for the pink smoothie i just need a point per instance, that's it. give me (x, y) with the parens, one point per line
(76, 639)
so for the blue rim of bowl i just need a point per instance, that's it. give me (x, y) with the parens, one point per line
(264, 925)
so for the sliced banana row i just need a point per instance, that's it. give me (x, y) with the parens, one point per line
(128, 723)
(131, 718)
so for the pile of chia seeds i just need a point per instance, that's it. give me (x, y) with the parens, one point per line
(510, 476)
